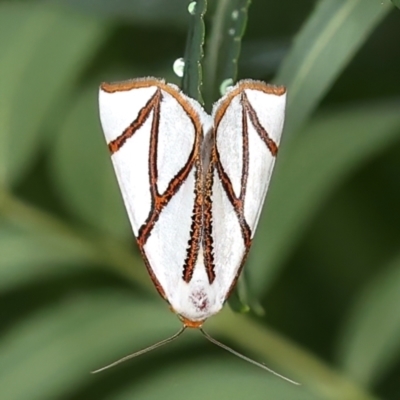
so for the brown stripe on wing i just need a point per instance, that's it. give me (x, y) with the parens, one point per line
(208, 242)
(196, 227)
(144, 113)
(272, 146)
(245, 153)
(153, 172)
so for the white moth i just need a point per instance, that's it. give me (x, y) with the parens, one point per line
(193, 184)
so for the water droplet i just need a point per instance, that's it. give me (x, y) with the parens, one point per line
(192, 7)
(225, 86)
(179, 66)
(231, 31)
(235, 14)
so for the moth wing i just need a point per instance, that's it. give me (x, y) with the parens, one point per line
(248, 123)
(154, 134)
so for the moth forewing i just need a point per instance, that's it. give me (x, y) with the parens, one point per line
(154, 134)
(248, 123)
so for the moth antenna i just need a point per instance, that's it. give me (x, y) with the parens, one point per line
(140, 352)
(225, 347)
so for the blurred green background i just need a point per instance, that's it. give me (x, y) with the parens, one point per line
(325, 265)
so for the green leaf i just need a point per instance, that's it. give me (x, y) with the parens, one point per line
(82, 246)
(325, 45)
(26, 258)
(308, 170)
(43, 51)
(369, 342)
(192, 76)
(82, 170)
(396, 3)
(223, 47)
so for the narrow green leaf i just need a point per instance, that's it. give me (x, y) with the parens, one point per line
(325, 45)
(309, 168)
(242, 299)
(223, 46)
(223, 50)
(43, 50)
(370, 340)
(192, 74)
(82, 170)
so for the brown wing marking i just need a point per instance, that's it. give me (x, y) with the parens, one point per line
(208, 243)
(270, 143)
(196, 227)
(144, 113)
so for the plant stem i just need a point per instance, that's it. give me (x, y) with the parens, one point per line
(286, 357)
(213, 46)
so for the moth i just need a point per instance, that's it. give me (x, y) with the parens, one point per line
(193, 184)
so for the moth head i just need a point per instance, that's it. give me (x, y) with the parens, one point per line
(187, 323)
